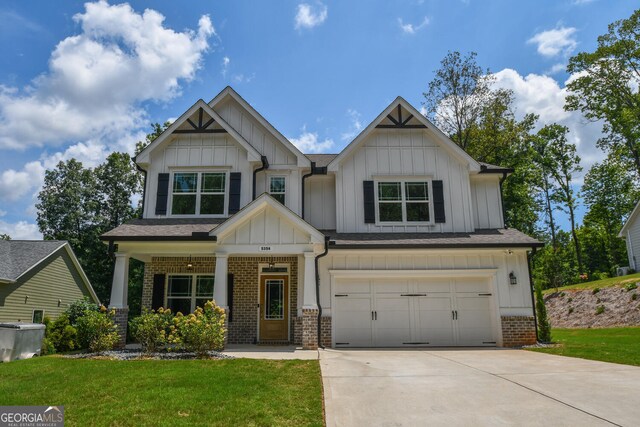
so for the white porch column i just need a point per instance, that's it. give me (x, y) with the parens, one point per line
(309, 300)
(120, 284)
(220, 284)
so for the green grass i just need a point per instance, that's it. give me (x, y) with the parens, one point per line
(169, 393)
(604, 283)
(617, 345)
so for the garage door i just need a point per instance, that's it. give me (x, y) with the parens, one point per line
(413, 312)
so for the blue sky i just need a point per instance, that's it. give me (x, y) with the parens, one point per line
(83, 79)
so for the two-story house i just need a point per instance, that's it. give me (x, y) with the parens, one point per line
(397, 241)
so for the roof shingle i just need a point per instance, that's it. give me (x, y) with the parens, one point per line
(18, 256)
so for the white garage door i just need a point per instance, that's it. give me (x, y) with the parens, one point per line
(413, 312)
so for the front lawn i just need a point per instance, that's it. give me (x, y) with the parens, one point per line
(168, 393)
(617, 345)
(604, 283)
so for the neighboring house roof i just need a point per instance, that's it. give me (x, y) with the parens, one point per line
(444, 140)
(229, 91)
(489, 238)
(630, 220)
(18, 257)
(164, 229)
(321, 160)
(143, 156)
(489, 168)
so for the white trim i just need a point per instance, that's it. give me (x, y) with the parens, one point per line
(445, 141)
(303, 161)
(144, 156)
(472, 272)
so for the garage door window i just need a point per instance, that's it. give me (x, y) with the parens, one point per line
(403, 202)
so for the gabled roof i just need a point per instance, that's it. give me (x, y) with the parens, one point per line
(444, 140)
(143, 156)
(18, 257)
(630, 220)
(229, 91)
(261, 202)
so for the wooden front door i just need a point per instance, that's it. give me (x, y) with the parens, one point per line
(274, 308)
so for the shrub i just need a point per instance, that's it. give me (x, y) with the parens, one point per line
(570, 300)
(544, 328)
(634, 297)
(96, 330)
(631, 286)
(60, 334)
(595, 291)
(79, 308)
(202, 330)
(154, 329)
(570, 310)
(600, 309)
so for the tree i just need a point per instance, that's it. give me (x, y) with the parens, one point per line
(544, 164)
(458, 95)
(5, 237)
(544, 327)
(156, 131)
(605, 87)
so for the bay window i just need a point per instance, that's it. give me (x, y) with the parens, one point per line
(198, 193)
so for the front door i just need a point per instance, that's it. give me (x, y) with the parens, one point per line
(274, 308)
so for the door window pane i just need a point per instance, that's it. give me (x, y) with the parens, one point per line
(274, 300)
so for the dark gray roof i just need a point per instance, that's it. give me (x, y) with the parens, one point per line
(18, 256)
(489, 168)
(169, 228)
(509, 237)
(321, 159)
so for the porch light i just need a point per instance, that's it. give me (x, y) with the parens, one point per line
(271, 263)
(189, 264)
(513, 279)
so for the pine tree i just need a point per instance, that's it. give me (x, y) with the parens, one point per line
(544, 328)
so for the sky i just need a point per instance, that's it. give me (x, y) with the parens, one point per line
(86, 79)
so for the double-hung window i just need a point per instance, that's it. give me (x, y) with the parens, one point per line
(185, 292)
(198, 193)
(403, 201)
(277, 187)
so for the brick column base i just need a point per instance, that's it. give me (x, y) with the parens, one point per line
(120, 320)
(325, 331)
(309, 329)
(518, 331)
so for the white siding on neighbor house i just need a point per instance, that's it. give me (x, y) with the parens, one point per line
(486, 201)
(633, 243)
(198, 151)
(320, 201)
(292, 184)
(513, 300)
(266, 227)
(256, 134)
(408, 153)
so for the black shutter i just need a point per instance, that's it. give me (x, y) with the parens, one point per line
(162, 195)
(234, 192)
(438, 201)
(369, 202)
(157, 299)
(230, 295)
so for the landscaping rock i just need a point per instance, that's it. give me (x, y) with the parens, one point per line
(579, 308)
(136, 354)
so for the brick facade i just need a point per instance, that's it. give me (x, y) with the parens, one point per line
(518, 331)
(325, 331)
(243, 327)
(120, 320)
(309, 329)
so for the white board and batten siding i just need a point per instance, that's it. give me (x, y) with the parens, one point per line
(512, 300)
(320, 201)
(410, 153)
(487, 201)
(292, 184)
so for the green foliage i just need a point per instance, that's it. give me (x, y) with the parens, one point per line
(79, 308)
(630, 286)
(634, 297)
(595, 291)
(5, 237)
(600, 309)
(202, 330)
(96, 330)
(544, 327)
(60, 334)
(570, 310)
(555, 268)
(154, 329)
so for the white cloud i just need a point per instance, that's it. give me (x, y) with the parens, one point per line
(411, 28)
(15, 184)
(21, 230)
(354, 128)
(97, 78)
(308, 142)
(225, 65)
(243, 78)
(560, 40)
(309, 16)
(544, 96)
(2, 213)
(556, 68)
(581, 2)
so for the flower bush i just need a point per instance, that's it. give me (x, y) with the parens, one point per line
(154, 329)
(96, 330)
(202, 330)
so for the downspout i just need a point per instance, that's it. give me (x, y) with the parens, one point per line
(504, 214)
(531, 286)
(144, 187)
(326, 250)
(314, 171)
(265, 165)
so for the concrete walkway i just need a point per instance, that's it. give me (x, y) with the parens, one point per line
(488, 387)
(270, 352)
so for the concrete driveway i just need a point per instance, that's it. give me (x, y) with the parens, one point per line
(488, 387)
